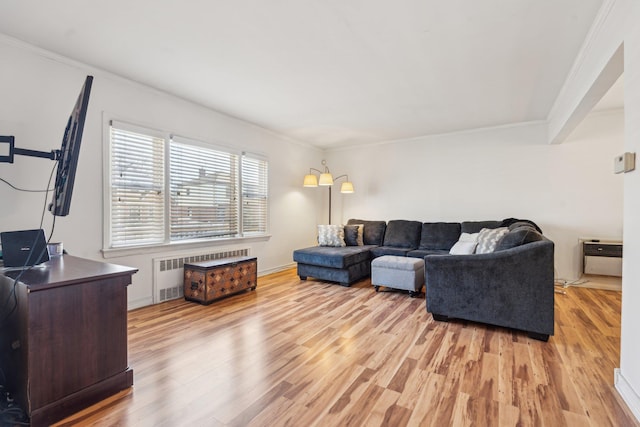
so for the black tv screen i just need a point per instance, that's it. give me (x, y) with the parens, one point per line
(69, 153)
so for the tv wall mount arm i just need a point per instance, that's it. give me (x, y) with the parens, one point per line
(7, 156)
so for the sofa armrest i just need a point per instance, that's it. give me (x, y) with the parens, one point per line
(512, 288)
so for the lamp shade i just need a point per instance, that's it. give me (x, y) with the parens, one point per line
(347, 187)
(325, 179)
(310, 181)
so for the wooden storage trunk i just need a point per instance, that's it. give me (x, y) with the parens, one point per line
(208, 281)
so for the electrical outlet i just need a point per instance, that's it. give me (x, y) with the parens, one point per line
(625, 162)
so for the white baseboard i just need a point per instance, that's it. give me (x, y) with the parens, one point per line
(276, 269)
(627, 393)
(140, 302)
(143, 302)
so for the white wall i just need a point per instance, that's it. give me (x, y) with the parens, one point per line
(38, 90)
(569, 190)
(628, 378)
(615, 27)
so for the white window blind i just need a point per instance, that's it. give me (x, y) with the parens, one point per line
(165, 190)
(137, 188)
(204, 192)
(255, 174)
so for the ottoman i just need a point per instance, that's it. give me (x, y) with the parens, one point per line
(398, 272)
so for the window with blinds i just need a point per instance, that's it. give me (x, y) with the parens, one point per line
(204, 197)
(174, 189)
(255, 173)
(137, 188)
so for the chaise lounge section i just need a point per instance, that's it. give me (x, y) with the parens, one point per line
(344, 265)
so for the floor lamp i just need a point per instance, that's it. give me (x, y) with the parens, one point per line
(327, 180)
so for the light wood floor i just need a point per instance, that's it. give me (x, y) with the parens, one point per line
(310, 353)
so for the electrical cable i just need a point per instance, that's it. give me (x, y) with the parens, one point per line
(25, 268)
(22, 189)
(12, 294)
(46, 196)
(566, 283)
(10, 414)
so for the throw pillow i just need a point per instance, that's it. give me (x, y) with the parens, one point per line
(331, 235)
(468, 237)
(373, 230)
(488, 239)
(353, 234)
(463, 248)
(360, 234)
(466, 244)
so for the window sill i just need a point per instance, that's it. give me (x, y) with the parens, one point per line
(180, 246)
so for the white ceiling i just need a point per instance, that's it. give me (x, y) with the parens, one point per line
(328, 72)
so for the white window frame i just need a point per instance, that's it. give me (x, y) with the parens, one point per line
(109, 250)
(260, 158)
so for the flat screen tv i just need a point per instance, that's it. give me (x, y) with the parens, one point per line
(69, 153)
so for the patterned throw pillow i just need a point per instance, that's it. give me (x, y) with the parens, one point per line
(360, 234)
(488, 239)
(331, 235)
(353, 234)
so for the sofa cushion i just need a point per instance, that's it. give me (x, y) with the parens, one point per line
(439, 235)
(476, 226)
(403, 234)
(331, 235)
(328, 256)
(353, 235)
(373, 233)
(488, 239)
(389, 250)
(517, 237)
(421, 253)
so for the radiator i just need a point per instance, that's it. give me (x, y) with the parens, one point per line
(168, 271)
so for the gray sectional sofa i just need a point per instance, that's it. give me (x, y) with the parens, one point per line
(512, 286)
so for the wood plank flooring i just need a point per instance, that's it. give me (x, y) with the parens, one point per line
(296, 353)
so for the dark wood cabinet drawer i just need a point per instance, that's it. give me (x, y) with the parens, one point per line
(209, 281)
(602, 249)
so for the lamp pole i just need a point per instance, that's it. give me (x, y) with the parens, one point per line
(311, 180)
(329, 205)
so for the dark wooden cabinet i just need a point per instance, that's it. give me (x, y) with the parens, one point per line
(208, 281)
(64, 336)
(602, 258)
